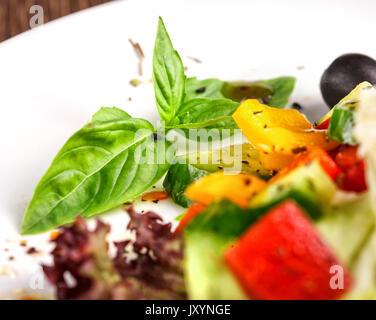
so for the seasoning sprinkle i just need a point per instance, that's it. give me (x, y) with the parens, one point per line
(296, 106)
(135, 82)
(156, 137)
(298, 150)
(201, 90)
(32, 250)
(197, 60)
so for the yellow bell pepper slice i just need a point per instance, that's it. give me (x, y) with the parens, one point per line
(278, 131)
(239, 188)
(274, 160)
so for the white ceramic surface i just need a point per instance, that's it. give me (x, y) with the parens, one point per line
(54, 77)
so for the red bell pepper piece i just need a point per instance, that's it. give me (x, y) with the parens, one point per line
(192, 211)
(324, 125)
(282, 257)
(325, 161)
(353, 167)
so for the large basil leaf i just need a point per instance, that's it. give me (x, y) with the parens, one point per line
(168, 76)
(207, 88)
(282, 89)
(110, 114)
(215, 113)
(101, 166)
(178, 178)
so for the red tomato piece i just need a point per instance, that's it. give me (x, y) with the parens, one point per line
(282, 257)
(324, 125)
(353, 167)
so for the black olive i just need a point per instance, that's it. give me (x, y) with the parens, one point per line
(344, 74)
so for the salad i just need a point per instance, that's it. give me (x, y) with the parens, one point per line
(287, 214)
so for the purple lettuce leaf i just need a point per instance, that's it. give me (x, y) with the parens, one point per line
(147, 267)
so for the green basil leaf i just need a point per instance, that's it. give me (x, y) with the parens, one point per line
(101, 166)
(341, 125)
(279, 89)
(225, 122)
(215, 113)
(178, 178)
(282, 89)
(109, 114)
(240, 90)
(207, 88)
(168, 76)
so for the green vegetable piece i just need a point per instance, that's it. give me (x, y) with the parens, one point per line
(168, 76)
(282, 89)
(342, 116)
(341, 125)
(216, 113)
(364, 272)
(347, 226)
(239, 91)
(308, 185)
(207, 88)
(110, 114)
(207, 276)
(101, 166)
(178, 178)
(225, 218)
(238, 157)
(207, 237)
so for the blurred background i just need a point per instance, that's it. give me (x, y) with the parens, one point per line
(15, 14)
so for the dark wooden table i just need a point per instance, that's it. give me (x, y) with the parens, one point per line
(15, 16)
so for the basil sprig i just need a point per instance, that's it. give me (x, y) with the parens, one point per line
(109, 161)
(168, 76)
(115, 158)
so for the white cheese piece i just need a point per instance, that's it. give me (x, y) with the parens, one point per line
(365, 134)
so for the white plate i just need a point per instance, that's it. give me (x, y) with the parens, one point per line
(54, 77)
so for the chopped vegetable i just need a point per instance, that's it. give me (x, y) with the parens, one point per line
(207, 276)
(283, 257)
(237, 157)
(206, 238)
(342, 116)
(325, 161)
(309, 185)
(323, 125)
(178, 178)
(365, 133)
(353, 168)
(347, 225)
(274, 160)
(239, 188)
(275, 131)
(155, 196)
